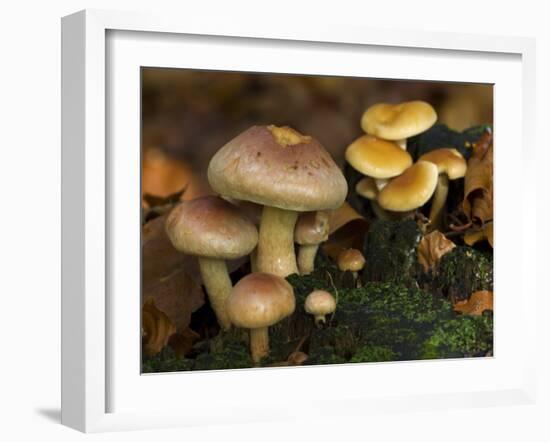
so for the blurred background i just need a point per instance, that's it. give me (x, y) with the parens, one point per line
(187, 115)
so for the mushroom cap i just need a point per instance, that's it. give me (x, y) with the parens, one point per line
(448, 161)
(398, 121)
(366, 187)
(410, 190)
(312, 228)
(211, 227)
(351, 260)
(260, 300)
(278, 167)
(377, 158)
(320, 302)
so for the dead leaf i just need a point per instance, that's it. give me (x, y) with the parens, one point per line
(297, 358)
(479, 302)
(347, 228)
(162, 176)
(169, 277)
(182, 342)
(156, 328)
(168, 200)
(342, 216)
(486, 232)
(431, 248)
(478, 182)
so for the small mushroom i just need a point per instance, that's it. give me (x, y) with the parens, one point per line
(213, 230)
(398, 122)
(451, 165)
(320, 303)
(311, 230)
(258, 301)
(410, 190)
(377, 158)
(351, 260)
(287, 173)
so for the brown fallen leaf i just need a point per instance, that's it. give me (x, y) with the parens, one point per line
(431, 248)
(486, 232)
(297, 358)
(478, 182)
(182, 342)
(156, 328)
(169, 277)
(347, 230)
(162, 175)
(479, 302)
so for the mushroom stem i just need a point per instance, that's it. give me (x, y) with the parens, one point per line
(218, 286)
(259, 344)
(381, 183)
(306, 258)
(276, 242)
(319, 319)
(438, 201)
(254, 260)
(378, 211)
(356, 280)
(402, 143)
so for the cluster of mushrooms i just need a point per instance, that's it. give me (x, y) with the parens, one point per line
(287, 174)
(393, 184)
(296, 184)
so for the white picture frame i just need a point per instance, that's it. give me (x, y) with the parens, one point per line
(91, 370)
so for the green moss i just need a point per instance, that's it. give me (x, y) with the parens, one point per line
(374, 353)
(166, 361)
(343, 339)
(390, 252)
(461, 272)
(464, 336)
(323, 356)
(233, 355)
(397, 299)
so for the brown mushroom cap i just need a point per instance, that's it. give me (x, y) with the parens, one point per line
(320, 302)
(366, 187)
(211, 227)
(351, 260)
(410, 190)
(377, 158)
(448, 161)
(278, 167)
(398, 121)
(260, 300)
(312, 228)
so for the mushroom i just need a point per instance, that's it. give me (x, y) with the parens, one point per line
(366, 187)
(213, 230)
(320, 303)
(410, 190)
(377, 158)
(351, 260)
(258, 301)
(311, 230)
(398, 122)
(287, 173)
(451, 165)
